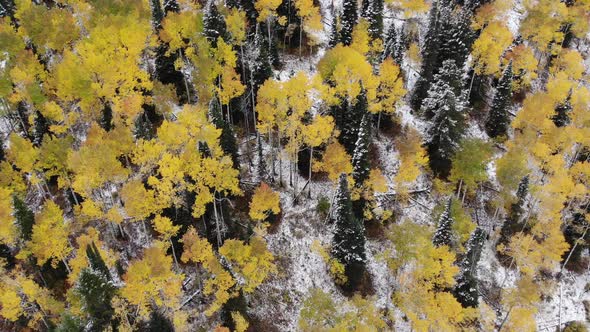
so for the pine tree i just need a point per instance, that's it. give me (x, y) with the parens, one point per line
(227, 139)
(348, 19)
(352, 116)
(348, 243)
(448, 123)
(443, 236)
(454, 35)
(498, 120)
(213, 24)
(41, 128)
(260, 63)
(70, 323)
(171, 6)
(2, 153)
(360, 158)
(334, 33)
(365, 8)
(106, 119)
(159, 323)
(157, 14)
(96, 261)
(167, 73)
(562, 112)
(375, 18)
(447, 80)
(7, 9)
(517, 209)
(466, 291)
(96, 293)
(25, 218)
(429, 52)
(393, 46)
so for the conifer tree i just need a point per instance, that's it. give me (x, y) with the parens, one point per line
(106, 119)
(171, 6)
(2, 154)
(96, 261)
(517, 208)
(447, 80)
(392, 46)
(260, 63)
(227, 139)
(159, 323)
(348, 243)
(562, 112)
(360, 158)
(443, 236)
(7, 9)
(41, 128)
(352, 116)
(348, 20)
(334, 33)
(466, 291)
(157, 14)
(454, 36)
(96, 293)
(498, 120)
(365, 8)
(25, 218)
(429, 52)
(375, 18)
(448, 123)
(214, 24)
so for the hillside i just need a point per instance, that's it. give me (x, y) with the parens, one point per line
(294, 165)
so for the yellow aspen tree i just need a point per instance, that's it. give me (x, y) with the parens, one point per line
(163, 225)
(542, 23)
(151, 280)
(335, 161)
(390, 90)
(49, 240)
(524, 65)
(311, 19)
(8, 230)
(413, 158)
(316, 134)
(489, 47)
(264, 201)
(221, 282)
(80, 261)
(253, 262)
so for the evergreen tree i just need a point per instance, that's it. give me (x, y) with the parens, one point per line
(466, 288)
(517, 208)
(159, 323)
(213, 24)
(392, 46)
(96, 293)
(204, 149)
(260, 63)
(498, 120)
(2, 153)
(7, 9)
(348, 21)
(454, 36)
(25, 218)
(352, 116)
(443, 236)
(429, 54)
(365, 8)
(167, 73)
(70, 323)
(360, 158)
(448, 123)
(21, 119)
(348, 243)
(375, 18)
(227, 139)
(473, 5)
(96, 261)
(562, 112)
(157, 14)
(334, 33)
(41, 128)
(448, 79)
(106, 119)
(171, 6)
